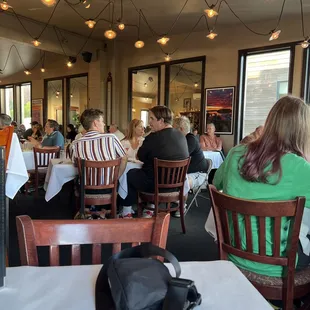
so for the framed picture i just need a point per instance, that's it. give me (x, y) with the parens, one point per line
(187, 104)
(220, 108)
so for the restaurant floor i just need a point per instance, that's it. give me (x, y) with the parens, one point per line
(195, 245)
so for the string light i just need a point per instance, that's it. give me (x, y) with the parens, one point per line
(139, 44)
(121, 26)
(274, 35)
(57, 93)
(71, 95)
(90, 23)
(4, 5)
(36, 42)
(211, 35)
(49, 2)
(163, 41)
(305, 44)
(110, 34)
(211, 12)
(86, 3)
(42, 69)
(167, 57)
(57, 96)
(27, 72)
(69, 64)
(145, 84)
(196, 84)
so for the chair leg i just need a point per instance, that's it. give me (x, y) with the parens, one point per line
(182, 215)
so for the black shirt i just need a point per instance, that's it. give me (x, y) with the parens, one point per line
(198, 162)
(28, 133)
(166, 144)
(71, 135)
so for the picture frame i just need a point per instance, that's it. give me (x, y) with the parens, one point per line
(220, 108)
(187, 104)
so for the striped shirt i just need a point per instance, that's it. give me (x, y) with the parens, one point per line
(97, 146)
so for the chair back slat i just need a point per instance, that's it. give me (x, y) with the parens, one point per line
(236, 230)
(96, 254)
(259, 212)
(55, 233)
(276, 236)
(54, 255)
(248, 231)
(6, 135)
(42, 157)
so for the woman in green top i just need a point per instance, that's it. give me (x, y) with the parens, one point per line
(273, 167)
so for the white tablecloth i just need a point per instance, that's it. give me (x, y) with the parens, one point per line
(216, 158)
(29, 160)
(16, 171)
(59, 172)
(123, 186)
(220, 283)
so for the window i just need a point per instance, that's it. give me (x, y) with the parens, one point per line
(264, 78)
(55, 100)
(25, 104)
(145, 117)
(9, 101)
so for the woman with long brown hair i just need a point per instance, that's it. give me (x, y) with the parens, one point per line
(133, 139)
(273, 167)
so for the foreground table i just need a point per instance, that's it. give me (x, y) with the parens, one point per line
(220, 283)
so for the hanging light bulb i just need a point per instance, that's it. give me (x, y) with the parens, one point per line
(139, 44)
(71, 95)
(145, 84)
(121, 26)
(4, 5)
(274, 35)
(27, 72)
(90, 23)
(86, 3)
(110, 34)
(42, 69)
(49, 2)
(57, 93)
(211, 12)
(211, 35)
(196, 84)
(305, 43)
(57, 96)
(36, 42)
(176, 99)
(163, 41)
(167, 57)
(69, 64)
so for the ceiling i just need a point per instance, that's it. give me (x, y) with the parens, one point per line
(160, 14)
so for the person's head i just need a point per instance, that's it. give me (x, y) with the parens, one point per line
(113, 128)
(135, 129)
(33, 124)
(22, 127)
(210, 129)
(70, 128)
(14, 124)
(160, 117)
(5, 120)
(195, 132)
(286, 130)
(92, 119)
(50, 126)
(183, 124)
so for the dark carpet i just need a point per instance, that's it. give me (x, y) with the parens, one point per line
(195, 245)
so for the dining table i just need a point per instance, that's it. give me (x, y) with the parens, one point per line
(16, 172)
(216, 157)
(220, 283)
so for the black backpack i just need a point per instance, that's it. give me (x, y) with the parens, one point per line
(131, 280)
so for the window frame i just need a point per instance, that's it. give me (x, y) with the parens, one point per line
(240, 104)
(305, 78)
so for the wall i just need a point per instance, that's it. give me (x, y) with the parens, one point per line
(221, 58)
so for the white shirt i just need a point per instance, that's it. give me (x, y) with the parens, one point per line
(119, 135)
(132, 153)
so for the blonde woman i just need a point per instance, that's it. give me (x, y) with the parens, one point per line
(133, 139)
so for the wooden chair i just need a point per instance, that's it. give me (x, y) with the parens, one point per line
(42, 158)
(292, 284)
(55, 233)
(98, 176)
(169, 182)
(6, 135)
(69, 151)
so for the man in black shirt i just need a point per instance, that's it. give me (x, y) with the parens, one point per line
(198, 165)
(164, 143)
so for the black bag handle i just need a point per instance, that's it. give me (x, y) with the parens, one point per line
(146, 250)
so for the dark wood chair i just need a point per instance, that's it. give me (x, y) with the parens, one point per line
(292, 284)
(169, 182)
(98, 176)
(69, 151)
(6, 135)
(55, 233)
(42, 158)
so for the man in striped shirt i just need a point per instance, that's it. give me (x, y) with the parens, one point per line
(95, 144)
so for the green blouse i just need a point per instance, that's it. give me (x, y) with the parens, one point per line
(295, 182)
